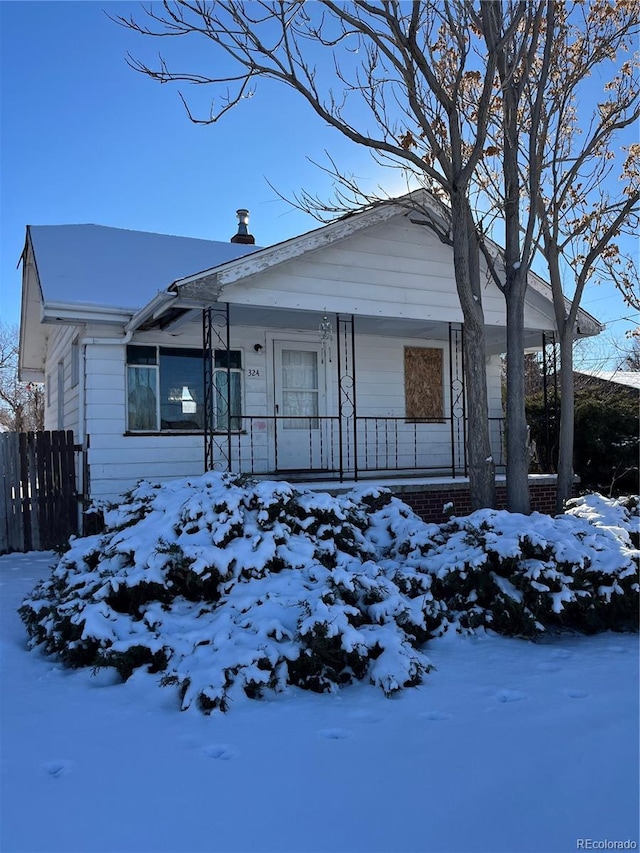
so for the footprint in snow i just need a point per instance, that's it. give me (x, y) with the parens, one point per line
(366, 716)
(334, 734)
(548, 667)
(577, 694)
(221, 751)
(58, 768)
(510, 695)
(560, 654)
(189, 741)
(434, 715)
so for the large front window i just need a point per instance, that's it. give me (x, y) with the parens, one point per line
(165, 389)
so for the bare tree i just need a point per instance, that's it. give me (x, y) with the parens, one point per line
(427, 84)
(581, 217)
(523, 66)
(21, 404)
(631, 360)
(547, 177)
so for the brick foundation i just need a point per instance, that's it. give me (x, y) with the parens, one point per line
(428, 500)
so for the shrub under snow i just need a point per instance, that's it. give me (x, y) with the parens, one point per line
(224, 586)
(230, 588)
(521, 574)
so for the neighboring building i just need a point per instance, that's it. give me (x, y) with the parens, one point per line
(629, 379)
(334, 355)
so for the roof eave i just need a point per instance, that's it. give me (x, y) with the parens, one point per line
(64, 312)
(153, 309)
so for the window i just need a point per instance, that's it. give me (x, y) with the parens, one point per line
(142, 388)
(75, 362)
(423, 384)
(165, 389)
(61, 395)
(227, 368)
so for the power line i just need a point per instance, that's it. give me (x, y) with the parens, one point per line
(618, 319)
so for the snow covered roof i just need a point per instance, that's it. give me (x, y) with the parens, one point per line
(117, 268)
(628, 378)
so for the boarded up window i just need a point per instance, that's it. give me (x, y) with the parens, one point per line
(423, 383)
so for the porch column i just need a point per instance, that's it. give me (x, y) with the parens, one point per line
(457, 400)
(215, 336)
(347, 423)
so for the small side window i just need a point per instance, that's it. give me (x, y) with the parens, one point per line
(61, 395)
(75, 362)
(227, 377)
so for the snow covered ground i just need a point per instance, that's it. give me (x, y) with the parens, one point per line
(508, 746)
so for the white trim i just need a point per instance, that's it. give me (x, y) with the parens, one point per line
(154, 309)
(62, 312)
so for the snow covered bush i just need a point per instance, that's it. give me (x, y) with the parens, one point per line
(227, 587)
(621, 516)
(521, 574)
(230, 588)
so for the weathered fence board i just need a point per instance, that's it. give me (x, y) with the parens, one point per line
(38, 499)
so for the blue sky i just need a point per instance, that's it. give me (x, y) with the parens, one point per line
(86, 139)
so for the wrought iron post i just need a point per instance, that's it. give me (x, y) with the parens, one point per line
(215, 336)
(457, 399)
(347, 424)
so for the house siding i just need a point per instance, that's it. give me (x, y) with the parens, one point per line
(59, 352)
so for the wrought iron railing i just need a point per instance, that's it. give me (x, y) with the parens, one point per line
(347, 448)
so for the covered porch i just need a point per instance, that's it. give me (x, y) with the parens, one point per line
(317, 395)
(322, 418)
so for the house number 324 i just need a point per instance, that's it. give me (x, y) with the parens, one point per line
(252, 371)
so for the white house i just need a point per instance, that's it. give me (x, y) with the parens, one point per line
(335, 355)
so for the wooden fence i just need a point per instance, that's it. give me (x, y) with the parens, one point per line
(38, 499)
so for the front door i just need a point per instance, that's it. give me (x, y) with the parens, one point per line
(300, 405)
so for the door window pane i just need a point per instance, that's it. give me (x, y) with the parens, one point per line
(300, 389)
(299, 370)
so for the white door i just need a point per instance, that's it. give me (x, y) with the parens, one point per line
(300, 397)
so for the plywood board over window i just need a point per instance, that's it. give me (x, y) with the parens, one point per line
(423, 384)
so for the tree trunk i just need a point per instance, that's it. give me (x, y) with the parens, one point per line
(482, 481)
(517, 447)
(567, 420)
(482, 486)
